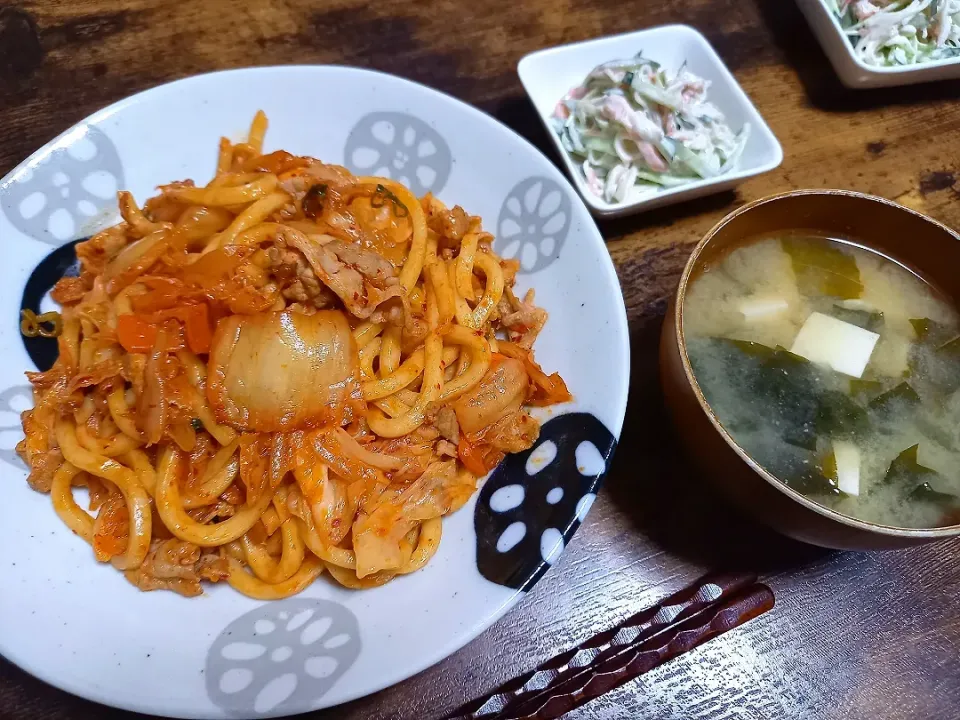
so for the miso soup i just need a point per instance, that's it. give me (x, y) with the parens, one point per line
(836, 369)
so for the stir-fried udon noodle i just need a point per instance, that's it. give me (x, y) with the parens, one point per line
(286, 371)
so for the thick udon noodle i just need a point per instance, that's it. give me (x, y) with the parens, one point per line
(370, 361)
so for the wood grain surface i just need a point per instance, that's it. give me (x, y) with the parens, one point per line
(853, 635)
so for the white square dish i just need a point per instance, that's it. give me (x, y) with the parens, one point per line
(548, 74)
(853, 72)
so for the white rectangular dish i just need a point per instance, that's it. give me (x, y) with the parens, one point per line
(853, 72)
(548, 74)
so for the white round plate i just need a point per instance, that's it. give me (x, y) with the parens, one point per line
(81, 626)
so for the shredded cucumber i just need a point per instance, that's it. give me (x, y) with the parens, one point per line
(636, 128)
(893, 33)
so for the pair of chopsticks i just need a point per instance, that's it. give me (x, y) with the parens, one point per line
(711, 606)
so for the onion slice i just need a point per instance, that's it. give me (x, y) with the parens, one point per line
(283, 371)
(501, 392)
(374, 459)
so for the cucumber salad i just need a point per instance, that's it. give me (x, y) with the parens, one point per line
(634, 124)
(900, 32)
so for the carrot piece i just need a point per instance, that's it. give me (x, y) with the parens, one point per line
(196, 324)
(471, 458)
(195, 320)
(135, 334)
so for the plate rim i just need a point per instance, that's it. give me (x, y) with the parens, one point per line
(620, 345)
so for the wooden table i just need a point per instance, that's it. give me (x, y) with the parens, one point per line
(853, 636)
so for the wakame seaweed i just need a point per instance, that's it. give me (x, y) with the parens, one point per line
(871, 320)
(840, 416)
(823, 269)
(813, 483)
(930, 332)
(905, 469)
(913, 479)
(903, 394)
(860, 387)
(776, 386)
(936, 357)
(924, 493)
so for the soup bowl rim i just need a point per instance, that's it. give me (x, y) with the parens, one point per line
(693, 262)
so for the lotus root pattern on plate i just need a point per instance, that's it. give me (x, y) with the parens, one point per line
(57, 199)
(401, 147)
(533, 223)
(535, 500)
(60, 263)
(281, 657)
(10, 424)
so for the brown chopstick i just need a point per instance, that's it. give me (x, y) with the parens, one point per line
(708, 592)
(630, 664)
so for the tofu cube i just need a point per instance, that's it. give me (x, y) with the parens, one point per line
(858, 304)
(756, 309)
(847, 457)
(835, 343)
